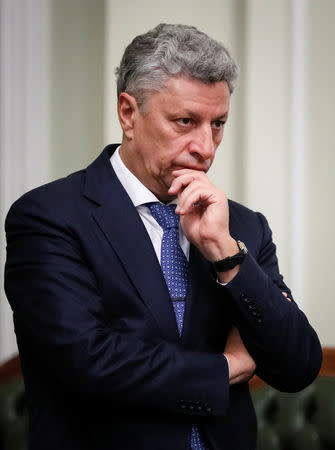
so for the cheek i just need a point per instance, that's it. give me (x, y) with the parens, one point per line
(163, 161)
(217, 138)
(163, 146)
(168, 150)
(172, 154)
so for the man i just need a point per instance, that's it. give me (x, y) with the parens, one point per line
(134, 333)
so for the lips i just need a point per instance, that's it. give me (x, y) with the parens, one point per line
(198, 168)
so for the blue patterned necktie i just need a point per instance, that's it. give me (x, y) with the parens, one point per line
(175, 270)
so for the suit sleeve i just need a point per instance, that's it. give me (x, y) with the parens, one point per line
(58, 314)
(275, 331)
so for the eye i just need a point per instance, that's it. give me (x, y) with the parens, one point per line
(218, 124)
(184, 121)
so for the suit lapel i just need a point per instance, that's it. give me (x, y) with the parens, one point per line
(119, 220)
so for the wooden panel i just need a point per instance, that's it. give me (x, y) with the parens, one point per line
(328, 363)
(10, 369)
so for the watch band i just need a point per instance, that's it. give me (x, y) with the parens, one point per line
(231, 261)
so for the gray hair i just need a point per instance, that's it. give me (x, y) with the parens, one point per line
(172, 50)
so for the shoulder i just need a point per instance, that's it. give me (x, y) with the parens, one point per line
(65, 195)
(237, 210)
(241, 213)
(59, 194)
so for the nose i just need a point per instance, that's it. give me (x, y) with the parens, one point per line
(202, 145)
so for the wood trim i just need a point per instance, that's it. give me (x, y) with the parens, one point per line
(327, 368)
(10, 369)
(328, 363)
(256, 383)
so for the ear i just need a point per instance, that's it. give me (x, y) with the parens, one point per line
(127, 110)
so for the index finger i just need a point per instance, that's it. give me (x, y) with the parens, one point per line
(178, 172)
(183, 179)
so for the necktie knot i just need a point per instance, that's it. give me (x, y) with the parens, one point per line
(165, 215)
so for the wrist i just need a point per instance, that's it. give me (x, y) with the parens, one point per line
(229, 266)
(226, 247)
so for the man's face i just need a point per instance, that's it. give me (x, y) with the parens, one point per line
(181, 127)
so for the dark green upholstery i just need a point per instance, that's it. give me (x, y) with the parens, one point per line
(305, 420)
(13, 416)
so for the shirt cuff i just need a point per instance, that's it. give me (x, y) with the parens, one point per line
(228, 366)
(219, 282)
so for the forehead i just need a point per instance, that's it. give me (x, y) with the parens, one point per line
(183, 95)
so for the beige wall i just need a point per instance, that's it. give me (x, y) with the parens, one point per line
(278, 151)
(267, 111)
(77, 83)
(320, 185)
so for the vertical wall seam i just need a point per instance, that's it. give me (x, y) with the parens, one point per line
(298, 147)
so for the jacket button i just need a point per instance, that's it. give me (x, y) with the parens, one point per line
(181, 404)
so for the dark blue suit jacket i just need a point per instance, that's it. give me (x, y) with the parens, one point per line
(103, 364)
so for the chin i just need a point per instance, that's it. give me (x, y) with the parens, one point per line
(164, 195)
(164, 198)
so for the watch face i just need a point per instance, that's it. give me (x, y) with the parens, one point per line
(242, 247)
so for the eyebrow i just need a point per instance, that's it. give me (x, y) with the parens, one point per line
(190, 113)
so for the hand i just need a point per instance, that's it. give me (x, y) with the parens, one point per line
(241, 364)
(204, 214)
(286, 296)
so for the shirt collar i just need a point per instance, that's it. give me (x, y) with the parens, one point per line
(138, 193)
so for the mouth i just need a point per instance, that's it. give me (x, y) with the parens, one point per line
(190, 167)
